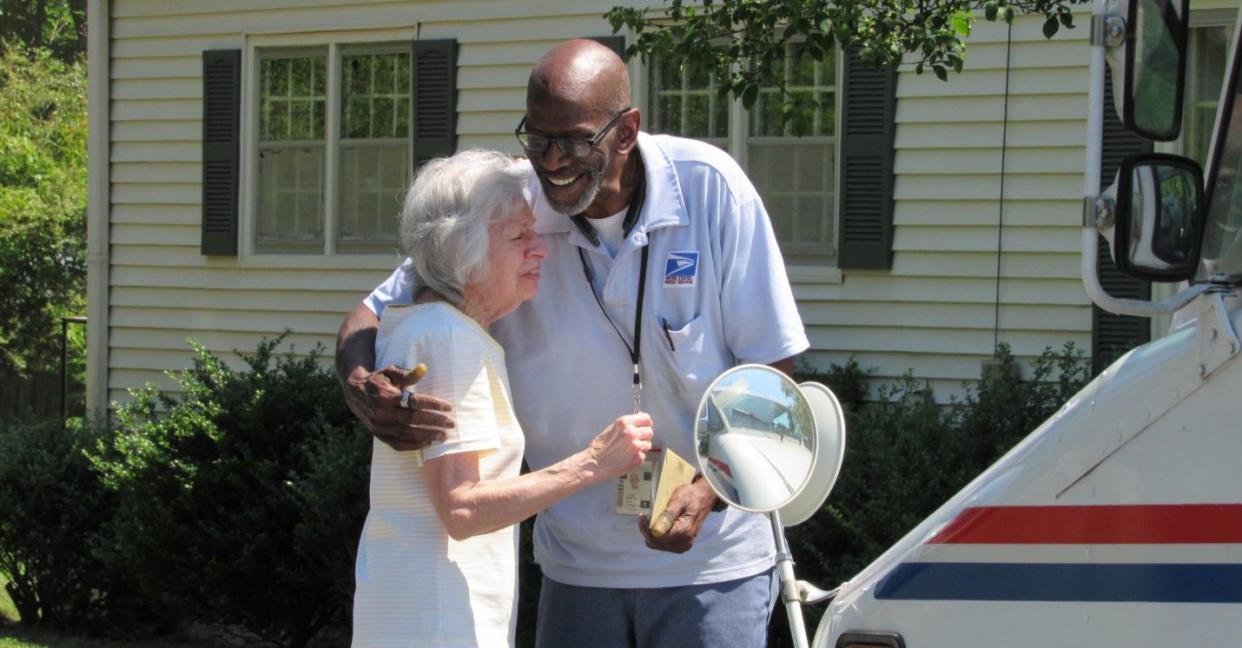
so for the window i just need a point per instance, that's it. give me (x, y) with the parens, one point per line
(1206, 54)
(334, 148)
(792, 163)
(1205, 71)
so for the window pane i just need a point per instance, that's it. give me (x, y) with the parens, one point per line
(765, 115)
(686, 102)
(812, 93)
(373, 180)
(791, 161)
(292, 115)
(291, 98)
(1204, 74)
(375, 96)
(795, 177)
(375, 159)
(290, 199)
(792, 157)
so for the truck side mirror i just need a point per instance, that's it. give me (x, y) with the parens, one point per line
(1160, 215)
(765, 443)
(1155, 67)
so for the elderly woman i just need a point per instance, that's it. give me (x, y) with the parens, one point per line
(437, 560)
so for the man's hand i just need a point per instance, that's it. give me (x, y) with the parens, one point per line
(687, 508)
(375, 398)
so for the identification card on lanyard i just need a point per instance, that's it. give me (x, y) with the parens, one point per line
(636, 490)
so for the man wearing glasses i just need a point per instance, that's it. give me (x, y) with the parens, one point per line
(662, 272)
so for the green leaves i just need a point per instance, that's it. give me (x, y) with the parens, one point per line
(737, 37)
(962, 22)
(1051, 25)
(42, 205)
(55, 26)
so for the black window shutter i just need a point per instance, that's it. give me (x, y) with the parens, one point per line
(867, 130)
(221, 110)
(614, 43)
(1113, 335)
(435, 99)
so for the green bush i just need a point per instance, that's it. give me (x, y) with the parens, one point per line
(242, 498)
(52, 509)
(238, 502)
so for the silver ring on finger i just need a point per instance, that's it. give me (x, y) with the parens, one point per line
(405, 399)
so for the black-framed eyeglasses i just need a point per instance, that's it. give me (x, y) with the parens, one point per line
(536, 144)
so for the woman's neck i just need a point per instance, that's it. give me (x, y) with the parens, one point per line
(470, 305)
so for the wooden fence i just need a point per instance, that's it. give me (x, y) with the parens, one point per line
(38, 395)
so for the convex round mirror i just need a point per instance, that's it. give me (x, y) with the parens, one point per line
(760, 442)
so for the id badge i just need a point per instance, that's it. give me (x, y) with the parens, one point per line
(635, 490)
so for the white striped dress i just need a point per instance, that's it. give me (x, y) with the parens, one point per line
(416, 586)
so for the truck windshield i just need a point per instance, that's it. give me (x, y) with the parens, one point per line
(1222, 244)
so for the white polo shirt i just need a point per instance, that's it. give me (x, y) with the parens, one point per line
(716, 275)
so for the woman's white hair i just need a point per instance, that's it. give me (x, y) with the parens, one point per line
(447, 209)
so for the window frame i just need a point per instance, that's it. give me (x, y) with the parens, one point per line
(801, 268)
(1204, 18)
(336, 44)
(1199, 19)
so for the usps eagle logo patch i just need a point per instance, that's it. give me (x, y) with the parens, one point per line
(681, 268)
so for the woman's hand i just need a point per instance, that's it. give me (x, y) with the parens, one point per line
(621, 447)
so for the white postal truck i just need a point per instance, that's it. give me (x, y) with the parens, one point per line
(1118, 522)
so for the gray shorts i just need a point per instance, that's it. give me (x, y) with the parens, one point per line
(718, 615)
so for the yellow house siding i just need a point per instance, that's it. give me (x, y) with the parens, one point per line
(933, 313)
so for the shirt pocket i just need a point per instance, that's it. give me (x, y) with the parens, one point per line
(690, 363)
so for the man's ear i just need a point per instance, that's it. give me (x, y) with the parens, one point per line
(627, 131)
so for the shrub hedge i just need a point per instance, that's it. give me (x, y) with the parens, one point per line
(52, 511)
(238, 502)
(241, 499)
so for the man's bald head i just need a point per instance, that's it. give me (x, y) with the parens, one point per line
(581, 72)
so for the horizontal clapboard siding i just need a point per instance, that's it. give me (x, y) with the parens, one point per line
(932, 313)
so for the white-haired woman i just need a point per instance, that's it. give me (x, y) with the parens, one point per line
(437, 564)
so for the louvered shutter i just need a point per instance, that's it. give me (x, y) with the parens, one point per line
(867, 131)
(1113, 335)
(614, 43)
(435, 99)
(221, 110)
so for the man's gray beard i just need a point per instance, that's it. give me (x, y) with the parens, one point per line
(595, 181)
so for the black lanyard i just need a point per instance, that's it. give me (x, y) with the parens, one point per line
(631, 218)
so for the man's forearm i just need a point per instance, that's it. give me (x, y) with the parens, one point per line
(355, 342)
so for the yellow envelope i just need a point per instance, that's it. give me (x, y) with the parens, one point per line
(674, 471)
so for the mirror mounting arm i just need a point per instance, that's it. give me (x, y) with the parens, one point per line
(790, 594)
(1098, 212)
(1108, 30)
(811, 594)
(1091, 281)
